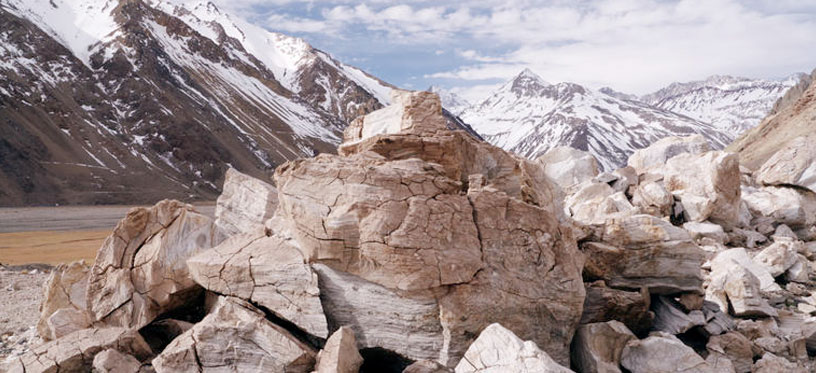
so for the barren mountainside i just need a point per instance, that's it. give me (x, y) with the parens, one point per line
(129, 101)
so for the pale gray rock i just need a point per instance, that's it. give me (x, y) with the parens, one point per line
(779, 256)
(75, 352)
(795, 164)
(595, 203)
(140, 271)
(499, 350)
(662, 352)
(656, 155)
(340, 354)
(597, 347)
(723, 261)
(244, 205)
(64, 292)
(782, 205)
(706, 230)
(235, 337)
(568, 166)
(653, 199)
(268, 271)
(113, 361)
(707, 184)
(734, 285)
(784, 231)
(771, 363)
(644, 251)
(799, 271)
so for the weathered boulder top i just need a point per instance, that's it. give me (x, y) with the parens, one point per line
(418, 112)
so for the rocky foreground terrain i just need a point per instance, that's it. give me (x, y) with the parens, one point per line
(421, 249)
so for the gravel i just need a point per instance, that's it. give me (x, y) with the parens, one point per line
(20, 296)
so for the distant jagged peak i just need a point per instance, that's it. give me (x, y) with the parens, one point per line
(526, 83)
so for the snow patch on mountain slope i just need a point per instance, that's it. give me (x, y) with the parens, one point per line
(79, 25)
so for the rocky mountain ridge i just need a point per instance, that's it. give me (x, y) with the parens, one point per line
(129, 101)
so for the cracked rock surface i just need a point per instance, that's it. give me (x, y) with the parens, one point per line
(267, 271)
(499, 350)
(141, 269)
(63, 308)
(236, 337)
(75, 352)
(244, 205)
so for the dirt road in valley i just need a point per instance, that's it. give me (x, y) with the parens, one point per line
(55, 235)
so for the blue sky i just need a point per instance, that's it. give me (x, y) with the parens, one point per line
(469, 46)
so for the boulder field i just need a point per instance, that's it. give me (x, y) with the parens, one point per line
(418, 248)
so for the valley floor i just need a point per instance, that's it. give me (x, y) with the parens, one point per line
(54, 235)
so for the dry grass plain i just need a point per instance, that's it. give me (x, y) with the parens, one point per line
(53, 235)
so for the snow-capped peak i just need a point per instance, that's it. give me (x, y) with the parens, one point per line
(451, 101)
(526, 83)
(79, 25)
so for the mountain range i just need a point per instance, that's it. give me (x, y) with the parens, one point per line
(529, 116)
(129, 101)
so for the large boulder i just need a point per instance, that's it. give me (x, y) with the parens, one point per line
(723, 261)
(63, 307)
(244, 205)
(598, 347)
(779, 256)
(792, 207)
(708, 185)
(734, 287)
(568, 166)
(140, 271)
(656, 155)
(653, 199)
(422, 236)
(113, 361)
(735, 347)
(499, 350)
(235, 337)
(595, 203)
(795, 164)
(644, 251)
(75, 352)
(662, 352)
(267, 271)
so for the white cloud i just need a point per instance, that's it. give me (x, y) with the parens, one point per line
(632, 45)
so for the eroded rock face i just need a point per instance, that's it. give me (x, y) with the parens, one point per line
(64, 292)
(453, 233)
(141, 271)
(707, 184)
(653, 199)
(499, 350)
(75, 352)
(795, 164)
(735, 347)
(629, 307)
(236, 337)
(267, 271)
(657, 154)
(244, 204)
(644, 251)
(662, 352)
(340, 354)
(568, 166)
(598, 347)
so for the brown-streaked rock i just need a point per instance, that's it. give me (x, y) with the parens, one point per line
(244, 205)
(770, 363)
(735, 347)
(606, 304)
(340, 354)
(498, 349)
(235, 336)
(597, 347)
(140, 271)
(779, 256)
(652, 198)
(644, 251)
(672, 319)
(267, 271)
